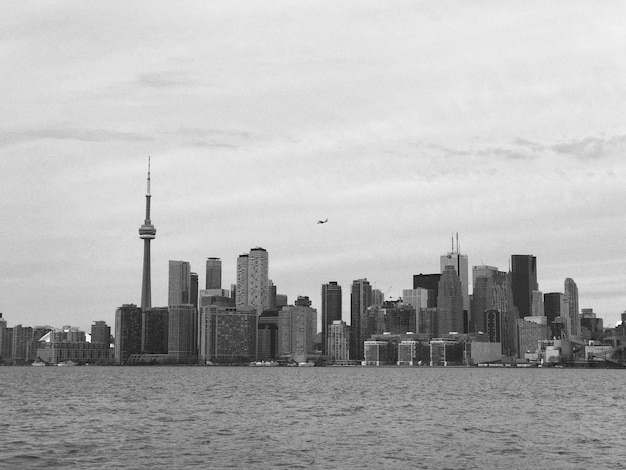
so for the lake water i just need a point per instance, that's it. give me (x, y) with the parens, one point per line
(334, 417)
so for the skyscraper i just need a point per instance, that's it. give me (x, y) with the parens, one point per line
(331, 309)
(571, 295)
(253, 280)
(297, 327)
(179, 286)
(524, 271)
(360, 300)
(213, 273)
(147, 232)
(100, 333)
(449, 302)
(181, 340)
(241, 291)
(460, 264)
(127, 332)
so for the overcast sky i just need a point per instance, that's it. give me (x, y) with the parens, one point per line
(401, 122)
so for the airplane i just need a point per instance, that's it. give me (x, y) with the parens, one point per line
(322, 221)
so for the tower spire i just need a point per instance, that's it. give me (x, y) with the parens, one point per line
(147, 232)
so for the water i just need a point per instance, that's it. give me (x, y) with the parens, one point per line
(246, 417)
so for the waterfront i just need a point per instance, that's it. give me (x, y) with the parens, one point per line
(247, 417)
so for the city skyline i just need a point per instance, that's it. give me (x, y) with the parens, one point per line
(380, 124)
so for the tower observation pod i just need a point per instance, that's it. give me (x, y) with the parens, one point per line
(146, 232)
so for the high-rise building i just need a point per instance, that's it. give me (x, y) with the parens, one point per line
(267, 337)
(331, 309)
(227, 335)
(253, 287)
(450, 303)
(524, 271)
(571, 295)
(460, 264)
(430, 282)
(537, 309)
(181, 341)
(555, 306)
(258, 279)
(489, 293)
(360, 300)
(100, 333)
(179, 285)
(338, 342)
(127, 332)
(147, 232)
(213, 273)
(4, 353)
(297, 328)
(154, 330)
(241, 290)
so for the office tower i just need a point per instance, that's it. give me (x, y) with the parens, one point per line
(460, 264)
(267, 336)
(193, 290)
(154, 331)
(450, 302)
(493, 325)
(281, 301)
(554, 306)
(127, 332)
(21, 336)
(377, 297)
(147, 232)
(338, 342)
(252, 280)
(100, 333)
(215, 297)
(272, 294)
(213, 273)
(360, 300)
(537, 309)
(331, 309)
(430, 282)
(227, 335)
(489, 293)
(297, 328)
(4, 353)
(399, 319)
(571, 295)
(181, 340)
(524, 271)
(179, 285)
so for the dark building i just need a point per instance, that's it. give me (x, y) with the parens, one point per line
(331, 309)
(524, 282)
(360, 300)
(450, 303)
(428, 281)
(400, 319)
(100, 333)
(493, 325)
(554, 306)
(302, 301)
(155, 327)
(267, 341)
(128, 319)
(213, 273)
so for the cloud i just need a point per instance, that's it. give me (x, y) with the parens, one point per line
(8, 138)
(164, 79)
(591, 148)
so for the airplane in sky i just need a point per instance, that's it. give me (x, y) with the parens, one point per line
(322, 221)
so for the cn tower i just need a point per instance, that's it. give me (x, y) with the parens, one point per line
(146, 232)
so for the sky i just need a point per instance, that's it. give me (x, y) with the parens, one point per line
(401, 122)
